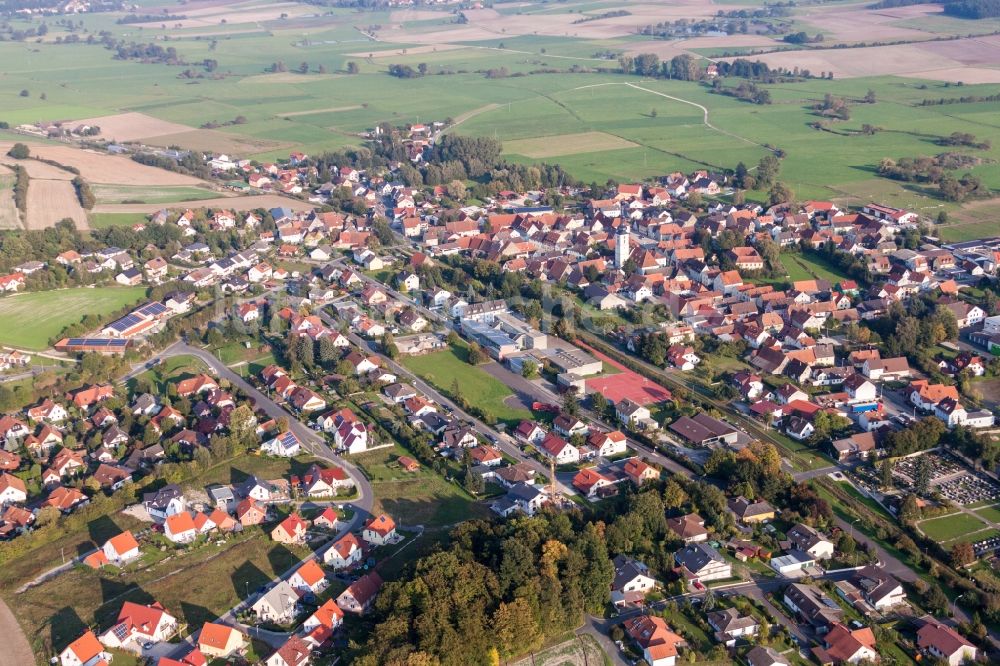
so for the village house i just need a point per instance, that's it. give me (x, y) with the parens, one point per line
(220, 641)
(379, 531)
(360, 595)
(689, 527)
(940, 641)
(138, 624)
(344, 553)
(291, 530)
(699, 563)
(631, 583)
(659, 645)
(119, 550)
(309, 579)
(279, 605)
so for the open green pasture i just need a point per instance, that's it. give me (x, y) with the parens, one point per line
(30, 320)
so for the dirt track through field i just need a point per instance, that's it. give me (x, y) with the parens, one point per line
(16, 650)
(704, 110)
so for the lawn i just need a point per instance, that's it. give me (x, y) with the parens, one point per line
(105, 220)
(113, 194)
(951, 527)
(963, 232)
(195, 586)
(415, 498)
(479, 388)
(30, 320)
(173, 368)
(809, 267)
(991, 514)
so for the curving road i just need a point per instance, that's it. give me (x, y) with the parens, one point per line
(314, 444)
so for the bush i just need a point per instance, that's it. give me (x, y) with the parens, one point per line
(19, 151)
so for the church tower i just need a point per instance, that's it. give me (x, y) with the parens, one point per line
(622, 249)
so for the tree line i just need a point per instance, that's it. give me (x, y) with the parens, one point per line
(935, 170)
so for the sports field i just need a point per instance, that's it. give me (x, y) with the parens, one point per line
(29, 320)
(480, 389)
(951, 527)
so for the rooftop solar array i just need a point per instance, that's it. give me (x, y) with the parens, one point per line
(289, 438)
(152, 309)
(126, 322)
(96, 342)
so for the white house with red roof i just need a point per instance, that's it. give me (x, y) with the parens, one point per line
(137, 624)
(121, 549)
(12, 490)
(940, 641)
(557, 448)
(84, 651)
(606, 444)
(380, 530)
(328, 615)
(359, 597)
(309, 578)
(180, 528)
(344, 553)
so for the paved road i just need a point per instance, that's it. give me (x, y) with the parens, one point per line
(311, 441)
(502, 441)
(536, 390)
(16, 649)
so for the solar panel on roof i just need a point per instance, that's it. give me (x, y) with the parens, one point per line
(151, 309)
(96, 342)
(120, 631)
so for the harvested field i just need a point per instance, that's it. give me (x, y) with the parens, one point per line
(404, 15)
(9, 215)
(974, 55)
(232, 203)
(855, 23)
(132, 126)
(567, 144)
(102, 168)
(215, 141)
(38, 169)
(99, 167)
(213, 16)
(52, 200)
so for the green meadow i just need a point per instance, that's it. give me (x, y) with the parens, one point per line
(29, 320)
(324, 111)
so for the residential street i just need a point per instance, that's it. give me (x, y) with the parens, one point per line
(312, 442)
